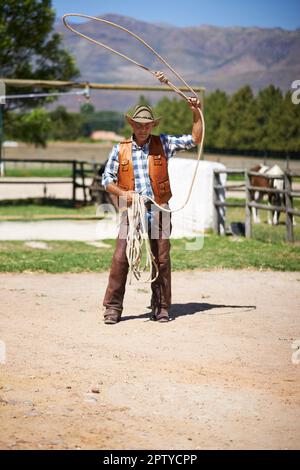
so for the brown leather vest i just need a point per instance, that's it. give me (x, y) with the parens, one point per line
(158, 169)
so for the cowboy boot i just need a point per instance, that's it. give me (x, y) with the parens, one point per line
(114, 295)
(161, 288)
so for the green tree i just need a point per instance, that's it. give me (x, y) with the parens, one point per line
(176, 116)
(269, 109)
(28, 47)
(87, 112)
(32, 127)
(289, 131)
(100, 120)
(87, 109)
(30, 50)
(215, 112)
(239, 127)
(64, 125)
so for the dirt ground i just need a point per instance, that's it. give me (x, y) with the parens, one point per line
(220, 376)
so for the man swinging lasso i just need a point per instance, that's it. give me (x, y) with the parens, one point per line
(141, 165)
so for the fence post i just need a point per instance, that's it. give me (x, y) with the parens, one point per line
(74, 170)
(83, 180)
(215, 199)
(288, 205)
(219, 211)
(222, 209)
(248, 225)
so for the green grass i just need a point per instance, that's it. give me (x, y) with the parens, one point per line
(53, 172)
(241, 178)
(61, 257)
(217, 252)
(236, 178)
(232, 253)
(267, 249)
(43, 211)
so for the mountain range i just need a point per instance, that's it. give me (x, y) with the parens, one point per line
(209, 56)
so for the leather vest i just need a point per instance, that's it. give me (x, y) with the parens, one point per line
(157, 165)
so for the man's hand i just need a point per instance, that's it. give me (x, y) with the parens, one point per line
(197, 131)
(127, 196)
(194, 104)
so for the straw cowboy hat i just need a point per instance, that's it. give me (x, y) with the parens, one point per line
(143, 114)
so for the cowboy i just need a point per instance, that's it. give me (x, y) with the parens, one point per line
(141, 165)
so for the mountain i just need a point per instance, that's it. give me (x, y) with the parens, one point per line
(213, 57)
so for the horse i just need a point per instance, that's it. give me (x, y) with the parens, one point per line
(274, 199)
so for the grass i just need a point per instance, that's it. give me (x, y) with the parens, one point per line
(45, 211)
(236, 178)
(242, 179)
(217, 253)
(267, 249)
(53, 172)
(61, 257)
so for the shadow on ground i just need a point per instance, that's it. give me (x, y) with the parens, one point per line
(192, 308)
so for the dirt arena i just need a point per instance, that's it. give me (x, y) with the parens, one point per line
(222, 375)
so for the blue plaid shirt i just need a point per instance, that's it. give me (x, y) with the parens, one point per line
(171, 144)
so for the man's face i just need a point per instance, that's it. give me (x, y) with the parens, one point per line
(141, 131)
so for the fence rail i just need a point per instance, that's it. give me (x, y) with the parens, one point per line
(219, 197)
(79, 171)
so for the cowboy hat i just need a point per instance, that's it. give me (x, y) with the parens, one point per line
(143, 114)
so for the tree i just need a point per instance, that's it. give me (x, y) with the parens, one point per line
(87, 109)
(269, 109)
(32, 127)
(28, 47)
(64, 125)
(239, 127)
(100, 120)
(176, 116)
(289, 131)
(215, 112)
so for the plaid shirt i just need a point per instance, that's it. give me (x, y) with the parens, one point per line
(140, 155)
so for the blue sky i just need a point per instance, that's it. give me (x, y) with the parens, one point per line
(263, 13)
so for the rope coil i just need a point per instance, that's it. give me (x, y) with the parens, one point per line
(137, 238)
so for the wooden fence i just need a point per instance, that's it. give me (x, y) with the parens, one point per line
(80, 170)
(220, 203)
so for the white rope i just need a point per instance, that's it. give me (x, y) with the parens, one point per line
(137, 234)
(137, 239)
